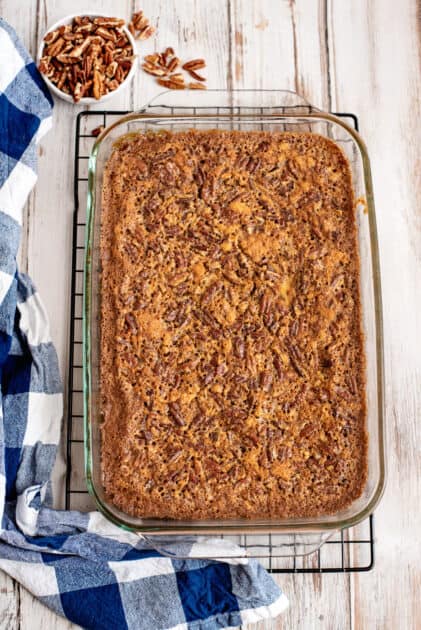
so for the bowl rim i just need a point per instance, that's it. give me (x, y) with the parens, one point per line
(88, 100)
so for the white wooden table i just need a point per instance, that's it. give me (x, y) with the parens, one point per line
(357, 56)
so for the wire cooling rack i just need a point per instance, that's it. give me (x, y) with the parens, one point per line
(349, 550)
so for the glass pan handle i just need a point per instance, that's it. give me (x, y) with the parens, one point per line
(284, 101)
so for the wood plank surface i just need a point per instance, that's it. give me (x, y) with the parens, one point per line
(354, 56)
(381, 81)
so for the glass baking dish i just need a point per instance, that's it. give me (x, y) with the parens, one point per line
(243, 110)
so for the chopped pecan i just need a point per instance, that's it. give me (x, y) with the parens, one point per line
(97, 84)
(351, 382)
(111, 84)
(337, 281)
(272, 452)
(296, 358)
(152, 58)
(195, 75)
(209, 293)
(81, 29)
(131, 322)
(252, 165)
(55, 48)
(119, 74)
(60, 79)
(175, 457)
(218, 399)
(278, 367)
(79, 50)
(266, 380)
(284, 452)
(343, 393)
(221, 369)
(297, 367)
(109, 21)
(129, 358)
(199, 418)
(171, 85)
(239, 348)
(111, 69)
(139, 20)
(175, 412)
(51, 37)
(292, 169)
(45, 67)
(251, 363)
(162, 60)
(197, 86)
(209, 375)
(265, 303)
(178, 78)
(65, 28)
(307, 430)
(78, 92)
(194, 64)
(137, 15)
(142, 24)
(294, 328)
(147, 32)
(106, 33)
(173, 64)
(66, 59)
(231, 276)
(156, 71)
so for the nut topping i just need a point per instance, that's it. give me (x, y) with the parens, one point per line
(225, 339)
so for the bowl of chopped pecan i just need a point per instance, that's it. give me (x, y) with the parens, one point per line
(87, 58)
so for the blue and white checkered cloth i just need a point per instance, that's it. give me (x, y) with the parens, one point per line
(81, 566)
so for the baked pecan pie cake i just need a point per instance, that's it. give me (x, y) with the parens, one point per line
(232, 364)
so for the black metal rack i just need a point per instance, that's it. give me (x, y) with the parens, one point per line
(346, 551)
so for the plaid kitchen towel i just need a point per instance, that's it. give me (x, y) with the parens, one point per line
(78, 564)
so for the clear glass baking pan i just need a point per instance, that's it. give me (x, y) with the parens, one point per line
(242, 110)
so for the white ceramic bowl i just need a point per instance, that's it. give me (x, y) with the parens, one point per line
(88, 100)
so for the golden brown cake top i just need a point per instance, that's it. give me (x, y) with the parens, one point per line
(232, 360)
